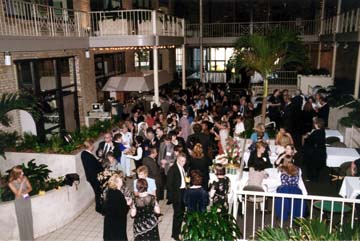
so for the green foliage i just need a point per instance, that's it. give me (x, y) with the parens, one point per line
(23, 101)
(7, 140)
(38, 176)
(310, 229)
(352, 119)
(210, 225)
(55, 144)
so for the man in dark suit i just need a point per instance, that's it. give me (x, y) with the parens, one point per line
(176, 186)
(92, 167)
(108, 145)
(154, 171)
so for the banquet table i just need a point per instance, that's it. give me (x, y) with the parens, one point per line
(272, 182)
(339, 155)
(350, 187)
(336, 133)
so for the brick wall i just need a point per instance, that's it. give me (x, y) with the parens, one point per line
(82, 5)
(127, 4)
(85, 76)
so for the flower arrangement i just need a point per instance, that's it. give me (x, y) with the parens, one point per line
(232, 153)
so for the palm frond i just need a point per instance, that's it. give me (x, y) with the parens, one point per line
(22, 101)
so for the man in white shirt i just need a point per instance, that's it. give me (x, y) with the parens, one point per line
(176, 185)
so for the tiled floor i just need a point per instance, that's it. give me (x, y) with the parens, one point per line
(89, 226)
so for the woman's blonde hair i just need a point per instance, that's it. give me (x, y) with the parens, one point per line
(290, 168)
(88, 143)
(15, 173)
(198, 151)
(114, 180)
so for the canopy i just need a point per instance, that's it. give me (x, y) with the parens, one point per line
(136, 81)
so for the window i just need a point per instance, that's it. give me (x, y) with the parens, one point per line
(55, 86)
(216, 59)
(179, 58)
(106, 66)
(142, 60)
(142, 4)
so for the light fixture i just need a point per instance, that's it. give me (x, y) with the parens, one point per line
(87, 54)
(7, 59)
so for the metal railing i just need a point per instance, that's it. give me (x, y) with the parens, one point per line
(18, 18)
(210, 30)
(135, 22)
(273, 211)
(348, 22)
(282, 80)
(28, 19)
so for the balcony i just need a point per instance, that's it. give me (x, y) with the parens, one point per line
(227, 33)
(345, 26)
(24, 24)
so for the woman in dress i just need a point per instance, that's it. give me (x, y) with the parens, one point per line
(219, 189)
(111, 163)
(259, 155)
(139, 154)
(144, 211)
(21, 187)
(116, 209)
(314, 150)
(289, 155)
(199, 161)
(196, 199)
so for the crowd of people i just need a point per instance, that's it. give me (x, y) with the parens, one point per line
(168, 150)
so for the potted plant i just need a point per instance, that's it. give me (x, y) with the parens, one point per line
(210, 225)
(310, 229)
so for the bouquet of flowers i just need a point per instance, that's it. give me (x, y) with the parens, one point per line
(232, 153)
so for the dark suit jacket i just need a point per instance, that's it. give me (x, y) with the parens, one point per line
(173, 184)
(201, 138)
(154, 170)
(116, 150)
(91, 166)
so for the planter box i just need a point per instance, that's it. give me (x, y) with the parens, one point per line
(306, 81)
(351, 137)
(57, 207)
(336, 114)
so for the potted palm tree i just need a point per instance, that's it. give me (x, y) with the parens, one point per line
(266, 54)
(210, 225)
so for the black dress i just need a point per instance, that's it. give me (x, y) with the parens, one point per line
(146, 222)
(115, 210)
(201, 164)
(221, 188)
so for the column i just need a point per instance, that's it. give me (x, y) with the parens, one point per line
(156, 75)
(201, 42)
(183, 67)
(357, 77)
(321, 32)
(333, 66)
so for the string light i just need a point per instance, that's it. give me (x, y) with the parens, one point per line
(133, 48)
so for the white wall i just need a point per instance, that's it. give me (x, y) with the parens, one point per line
(57, 207)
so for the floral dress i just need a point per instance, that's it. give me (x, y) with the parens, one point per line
(146, 222)
(221, 189)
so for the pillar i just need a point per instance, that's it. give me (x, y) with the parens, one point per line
(183, 67)
(357, 77)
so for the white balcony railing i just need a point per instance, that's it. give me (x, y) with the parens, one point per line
(303, 27)
(135, 22)
(27, 19)
(348, 22)
(336, 211)
(18, 18)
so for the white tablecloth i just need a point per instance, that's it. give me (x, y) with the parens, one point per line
(272, 182)
(339, 155)
(335, 133)
(350, 187)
